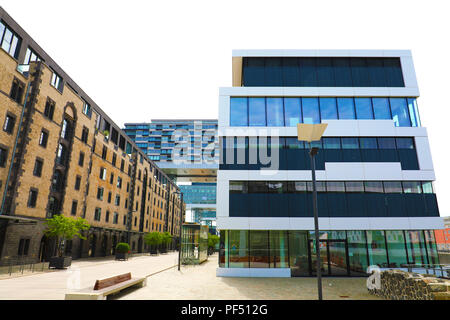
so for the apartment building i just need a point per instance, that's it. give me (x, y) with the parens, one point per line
(376, 201)
(187, 151)
(60, 153)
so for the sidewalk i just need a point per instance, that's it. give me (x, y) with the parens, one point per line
(200, 283)
(82, 273)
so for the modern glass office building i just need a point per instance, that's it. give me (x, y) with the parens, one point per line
(187, 151)
(376, 201)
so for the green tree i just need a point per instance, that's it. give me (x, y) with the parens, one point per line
(212, 241)
(167, 238)
(65, 228)
(153, 238)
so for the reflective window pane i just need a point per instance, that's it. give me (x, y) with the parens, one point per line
(354, 186)
(381, 108)
(331, 143)
(310, 108)
(257, 111)
(346, 108)
(279, 253)
(431, 247)
(400, 113)
(357, 252)
(320, 186)
(7, 39)
(373, 186)
(294, 143)
(292, 111)
(275, 112)
(376, 246)
(238, 248)
(297, 186)
(404, 143)
(386, 143)
(276, 186)
(415, 243)
(427, 187)
(328, 108)
(259, 249)
(363, 108)
(238, 112)
(396, 248)
(350, 143)
(412, 187)
(368, 143)
(392, 187)
(413, 112)
(335, 186)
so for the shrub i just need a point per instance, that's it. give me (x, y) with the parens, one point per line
(122, 247)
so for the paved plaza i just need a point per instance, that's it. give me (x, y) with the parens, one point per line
(165, 282)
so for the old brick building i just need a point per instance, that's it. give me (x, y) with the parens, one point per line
(61, 154)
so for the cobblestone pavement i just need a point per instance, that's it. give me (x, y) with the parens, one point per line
(54, 284)
(200, 283)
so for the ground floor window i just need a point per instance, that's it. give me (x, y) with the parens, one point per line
(342, 252)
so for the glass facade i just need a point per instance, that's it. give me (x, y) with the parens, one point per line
(321, 72)
(343, 253)
(294, 154)
(279, 112)
(335, 199)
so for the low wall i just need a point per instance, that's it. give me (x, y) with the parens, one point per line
(401, 285)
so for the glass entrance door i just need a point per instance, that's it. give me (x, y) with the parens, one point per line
(333, 256)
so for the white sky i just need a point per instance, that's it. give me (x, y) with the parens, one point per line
(143, 60)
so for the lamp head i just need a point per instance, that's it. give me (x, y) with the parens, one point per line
(310, 132)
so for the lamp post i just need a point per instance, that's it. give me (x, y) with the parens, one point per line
(309, 133)
(181, 224)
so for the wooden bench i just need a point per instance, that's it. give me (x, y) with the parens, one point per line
(105, 287)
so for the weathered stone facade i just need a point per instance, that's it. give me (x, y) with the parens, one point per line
(89, 167)
(401, 285)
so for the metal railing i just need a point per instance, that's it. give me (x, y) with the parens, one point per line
(21, 265)
(439, 270)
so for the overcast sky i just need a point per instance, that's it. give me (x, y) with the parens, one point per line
(143, 60)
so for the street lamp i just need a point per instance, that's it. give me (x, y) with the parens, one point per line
(309, 133)
(181, 222)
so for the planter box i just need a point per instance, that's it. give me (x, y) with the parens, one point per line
(60, 262)
(121, 256)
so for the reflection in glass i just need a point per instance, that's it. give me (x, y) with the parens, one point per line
(346, 108)
(279, 254)
(381, 108)
(416, 247)
(238, 112)
(257, 111)
(275, 112)
(259, 249)
(350, 143)
(368, 143)
(363, 108)
(310, 108)
(376, 246)
(328, 108)
(298, 253)
(292, 111)
(392, 187)
(238, 249)
(331, 143)
(433, 257)
(413, 112)
(400, 113)
(396, 248)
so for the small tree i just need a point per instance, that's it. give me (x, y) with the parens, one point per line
(65, 228)
(212, 241)
(153, 238)
(167, 238)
